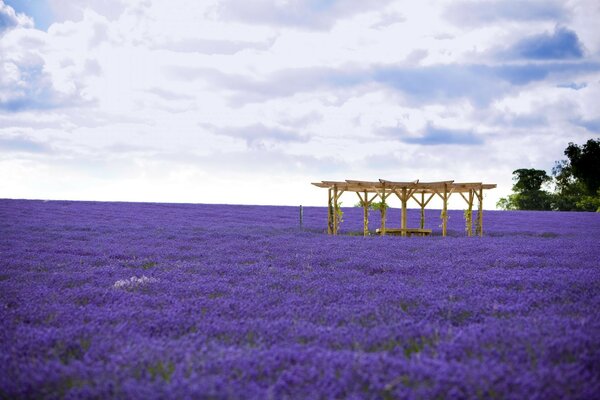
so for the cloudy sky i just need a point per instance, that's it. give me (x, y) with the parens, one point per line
(231, 101)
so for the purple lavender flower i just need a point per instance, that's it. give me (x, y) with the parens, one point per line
(104, 300)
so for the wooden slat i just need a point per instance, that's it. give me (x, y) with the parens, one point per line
(360, 197)
(417, 200)
(463, 196)
(429, 199)
(399, 185)
(353, 188)
(466, 184)
(406, 231)
(432, 185)
(364, 183)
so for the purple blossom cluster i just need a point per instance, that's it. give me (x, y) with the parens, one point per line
(124, 300)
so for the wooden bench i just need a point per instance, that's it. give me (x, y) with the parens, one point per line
(408, 231)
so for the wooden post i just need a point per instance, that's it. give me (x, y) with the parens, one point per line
(301, 215)
(445, 211)
(335, 209)
(468, 211)
(469, 215)
(480, 213)
(383, 212)
(422, 210)
(403, 200)
(329, 213)
(366, 215)
(423, 203)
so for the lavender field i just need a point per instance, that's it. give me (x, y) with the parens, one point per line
(125, 300)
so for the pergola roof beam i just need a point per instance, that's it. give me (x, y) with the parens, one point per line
(419, 187)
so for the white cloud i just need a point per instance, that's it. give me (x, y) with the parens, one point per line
(312, 14)
(9, 19)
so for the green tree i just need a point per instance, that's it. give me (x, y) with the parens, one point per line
(528, 193)
(585, 164)
(568, 190)
(507, 203)
(576, 183)
(577, 179)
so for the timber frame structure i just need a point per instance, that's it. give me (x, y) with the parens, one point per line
(421, 192)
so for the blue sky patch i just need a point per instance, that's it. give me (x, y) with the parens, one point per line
(39, 10)
(572, 85)
(433, 136)
(592, 125)
(22, 144)
(563, 44)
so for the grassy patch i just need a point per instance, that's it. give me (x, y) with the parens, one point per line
(148, 265)
(161, 370)
(549, 235)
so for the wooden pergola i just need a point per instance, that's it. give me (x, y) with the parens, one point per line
(421, 192)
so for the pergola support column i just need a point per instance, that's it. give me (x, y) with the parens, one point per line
(365, 204)
(468, 212)
(469, 215)
(383, 209)
(329, 213)
(403, 199)
(366, 216)
(479, 228)
(335, 210)
(422, 204)
(445, 211)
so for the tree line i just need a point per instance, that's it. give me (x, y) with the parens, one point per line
(573, 186)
